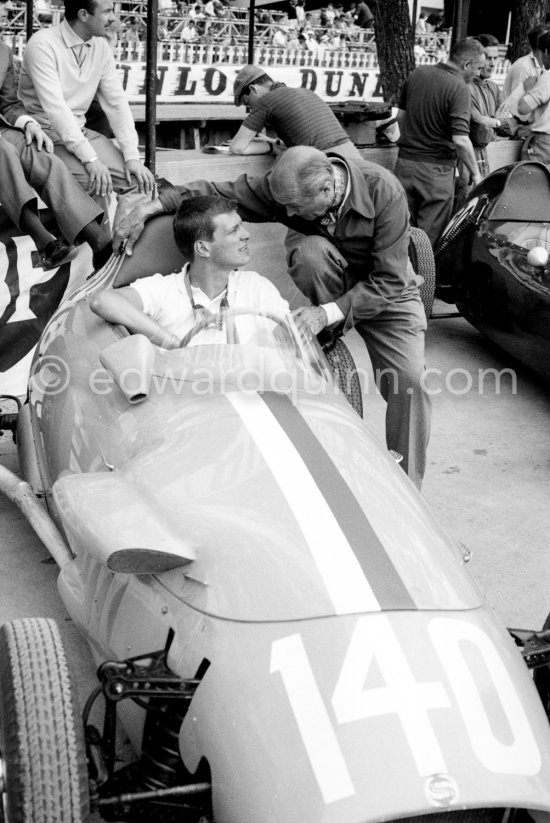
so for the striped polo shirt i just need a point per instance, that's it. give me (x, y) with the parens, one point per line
(298, 116)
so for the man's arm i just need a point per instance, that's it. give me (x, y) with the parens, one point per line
(125, 306)
(536, 93)
(256, 205)
(465, 151)
(244, 143)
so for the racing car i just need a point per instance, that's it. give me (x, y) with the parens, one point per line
(492, 261)
(280, 626)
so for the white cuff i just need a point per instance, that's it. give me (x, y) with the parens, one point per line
(333, 312)
(22, 121)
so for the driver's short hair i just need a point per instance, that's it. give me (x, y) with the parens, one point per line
(72, 7)
(194, 220)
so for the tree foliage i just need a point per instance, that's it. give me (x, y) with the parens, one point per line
(394, 45)
(527, 13)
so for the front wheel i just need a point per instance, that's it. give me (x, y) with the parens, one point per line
(345, 371)
(422, 261)
(42, 760)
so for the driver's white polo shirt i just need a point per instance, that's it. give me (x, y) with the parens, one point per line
(165, 300)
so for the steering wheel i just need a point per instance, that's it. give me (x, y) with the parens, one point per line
(204, 322)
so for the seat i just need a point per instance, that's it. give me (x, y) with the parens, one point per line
(155, 251)
(526, 194)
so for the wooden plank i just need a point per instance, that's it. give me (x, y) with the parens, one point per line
(189, 112)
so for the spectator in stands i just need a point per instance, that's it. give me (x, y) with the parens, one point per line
(279, 38)
(292, 14)
(63, 68)
(349, 15)
(292, 39)
(330, 15)
(434, 122)
(535, 103)
(297, 116)
(364, 18)
(312, 44)
(300, 13)
(189, 34)
(196, 12)
(434, 22)
(421, 24)
(132, 31)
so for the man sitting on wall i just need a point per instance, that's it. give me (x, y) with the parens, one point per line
(27, 166)
(63, 69)
(211, 235)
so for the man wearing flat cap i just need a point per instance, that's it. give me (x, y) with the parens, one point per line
(297, 116)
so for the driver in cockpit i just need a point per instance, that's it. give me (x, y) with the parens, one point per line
(210, 234)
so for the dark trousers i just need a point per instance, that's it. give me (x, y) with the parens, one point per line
(395, 343)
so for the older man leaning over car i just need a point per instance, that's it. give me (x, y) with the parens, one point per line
(350, 260)
(210, 234)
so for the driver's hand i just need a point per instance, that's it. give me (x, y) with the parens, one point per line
(171, 341)
(314, 316)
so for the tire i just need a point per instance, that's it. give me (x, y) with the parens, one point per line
(422, 260)
(41, 737)
(345, 371)
(542, 678)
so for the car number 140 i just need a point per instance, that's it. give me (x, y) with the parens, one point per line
(374, 641)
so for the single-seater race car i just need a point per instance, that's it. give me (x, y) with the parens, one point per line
(280, 626)
(492, 261)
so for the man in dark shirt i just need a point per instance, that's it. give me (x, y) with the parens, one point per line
(364, 17)
(351, 260)
(434, 122)
(298, 116)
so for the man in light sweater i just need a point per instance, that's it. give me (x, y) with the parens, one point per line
(63, 68)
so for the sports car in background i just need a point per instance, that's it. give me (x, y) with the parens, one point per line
(280, 626)
(492, 261)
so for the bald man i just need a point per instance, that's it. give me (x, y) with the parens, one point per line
(352, 263)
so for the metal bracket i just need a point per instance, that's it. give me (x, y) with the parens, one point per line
(127, 678)
(535, 647)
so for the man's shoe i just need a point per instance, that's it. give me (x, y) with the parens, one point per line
(56, 253)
